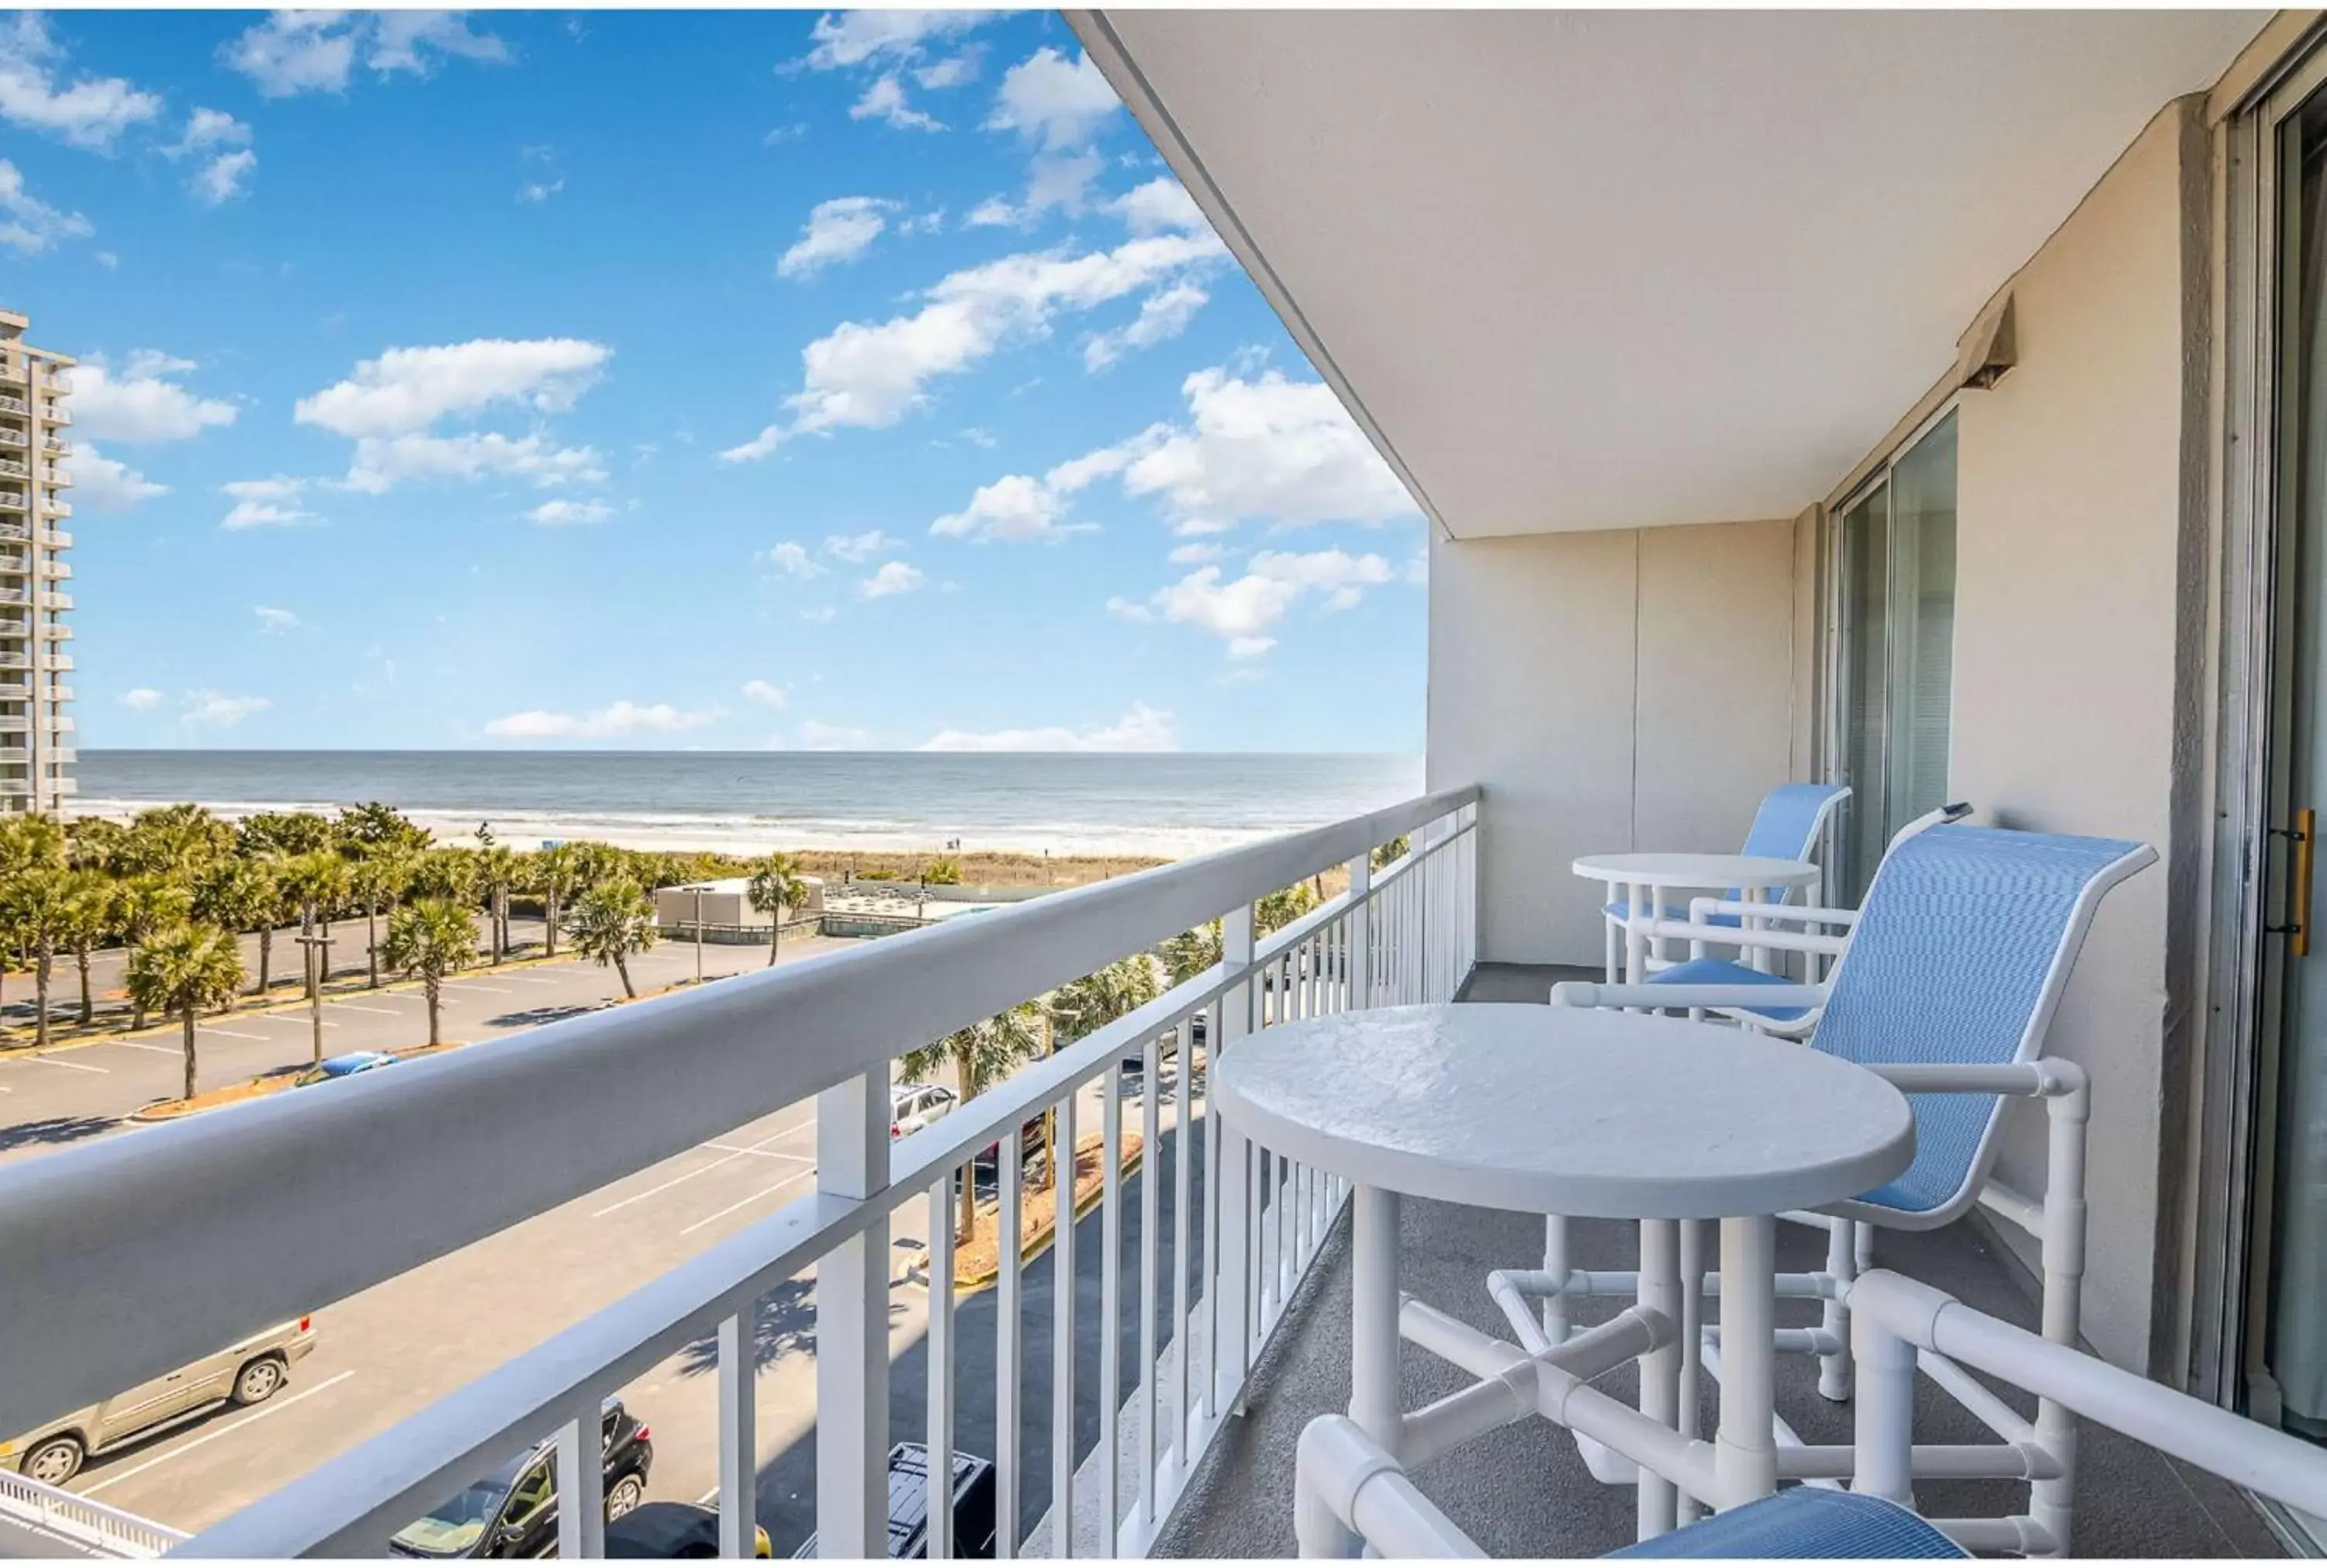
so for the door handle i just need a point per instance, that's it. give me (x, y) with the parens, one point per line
(2305, 839)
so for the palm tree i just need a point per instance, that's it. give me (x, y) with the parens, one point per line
(31, 839)
(176, 840)
(234, 895)
(1280, 908)
(38, 904)
(96, 843)
(376, 879)
(317, 881)
(431, 937)
(496, 867)
(88, 915)
(608, 923)
(286, 832)
(186, 970)
(557, 872)
(1084, 1006)
(980, 1055)
(776, 886)
(1191, 952)
(375, 825)
(143, 904)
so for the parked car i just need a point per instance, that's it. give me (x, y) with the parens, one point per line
(1167, 1046)
(247, 1373)
(671, 1530)
(348, 1065)
(513, 1511)
(913, 1106)
(908, 1505)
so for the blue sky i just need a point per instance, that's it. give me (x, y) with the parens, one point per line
(729, 380)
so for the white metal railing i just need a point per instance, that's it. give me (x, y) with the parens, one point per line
(132, 1255)
(15, 404)
(69, 1516)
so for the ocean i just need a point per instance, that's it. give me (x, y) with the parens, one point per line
(746, 802)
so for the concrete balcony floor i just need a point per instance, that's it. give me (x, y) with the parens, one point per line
(1524, 1492)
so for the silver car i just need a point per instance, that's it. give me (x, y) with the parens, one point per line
(242, 1374)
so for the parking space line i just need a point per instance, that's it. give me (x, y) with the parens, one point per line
(141, 1045)
(744, 1202)
(75, 1066)
(465, 986)
(352, 1007)
(267, 1409)
(763, 1153)
(235, 1034)
(734, 1153)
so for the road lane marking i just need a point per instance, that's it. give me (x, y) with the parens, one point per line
(75, 1066)
(764, 1154)
(746, 1202)
(352, 1007)
(735, 1153)
(267, 1409)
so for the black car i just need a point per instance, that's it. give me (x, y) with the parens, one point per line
(672, 1530)
(908, 1505)
(513, 1511)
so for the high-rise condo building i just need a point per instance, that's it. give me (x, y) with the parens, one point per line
(36, 754)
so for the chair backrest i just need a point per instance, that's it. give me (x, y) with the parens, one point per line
(1962, 948)
(1791, 817)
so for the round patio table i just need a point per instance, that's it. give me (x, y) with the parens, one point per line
(1574, 1111)
(1647, 876)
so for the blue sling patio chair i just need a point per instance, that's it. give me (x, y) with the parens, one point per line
(1787, 825)
(1345, 1486)
(1947, 988)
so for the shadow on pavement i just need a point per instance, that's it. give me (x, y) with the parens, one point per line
(534, 1015)
(55, 1130)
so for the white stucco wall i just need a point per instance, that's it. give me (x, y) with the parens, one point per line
(2074, 659)
(1611, 691)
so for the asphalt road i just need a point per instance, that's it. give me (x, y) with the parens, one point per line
(391, 1350)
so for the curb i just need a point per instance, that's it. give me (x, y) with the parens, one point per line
(1040, 1242)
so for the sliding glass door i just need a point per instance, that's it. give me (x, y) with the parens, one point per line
(1893, 671)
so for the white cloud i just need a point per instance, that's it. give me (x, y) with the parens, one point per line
(893, 578)
(92, 113)
(213, 710)
(836, 231)
(1161, 205)
(29, 224)
(272, 620)
(858, 548)
(208, 128)
(767, 693)
(1140, 729)
(791, 559)
(954, 70)
(886, 100)
(869, 377)
(534, 192)
(408, 389)
(1053, 100)
(820, 615)
(220, 180)
(297, 51)
(853, 38)
(109, 486)
(1243, 611)
(563, 512)
(1194, 555)
(1162, 315)
(263, 503)
(381, 462)
(621, 718)
(992, 212)
(819, 736)
(140, 402)
(1015, 507)
(141, 699)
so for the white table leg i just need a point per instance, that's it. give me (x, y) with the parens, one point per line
(1693, 1235)
(1615, 938)
(1745, 1452)
(1636, 940)
(1374, 1399)
(1662, 946)
(1554, 1263)
(1660, 1292)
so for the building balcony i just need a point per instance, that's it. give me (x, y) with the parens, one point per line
(50, 506)
(13, 370)
(56, 661)
(60, 694)
(12, 469)
(58, 383)
(55, 633)
(14, 500)
(55, 540)
(11, 436)
(10, 404)
(67, 787)
(62, 724)
(51, 600)
(56, 413)
(50, 568)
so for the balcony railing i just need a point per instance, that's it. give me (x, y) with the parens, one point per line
(56, 539)
(51, 600)
(13, 470)
(11, 438)
(56, 413)
(55, 508)
(55, 443)
(13, 405)
(263, 1221)
(14, 500)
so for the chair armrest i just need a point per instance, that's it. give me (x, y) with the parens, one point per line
(1797, 914)
(1593, 993)
(1739, 937)
(2036, 1079)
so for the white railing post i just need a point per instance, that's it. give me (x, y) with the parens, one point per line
(581, 1488)
(1232, 1281)
(1358, 952)
(852, 1327)
(738, 1438)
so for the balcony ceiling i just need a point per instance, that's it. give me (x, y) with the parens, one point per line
(1611, 270)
